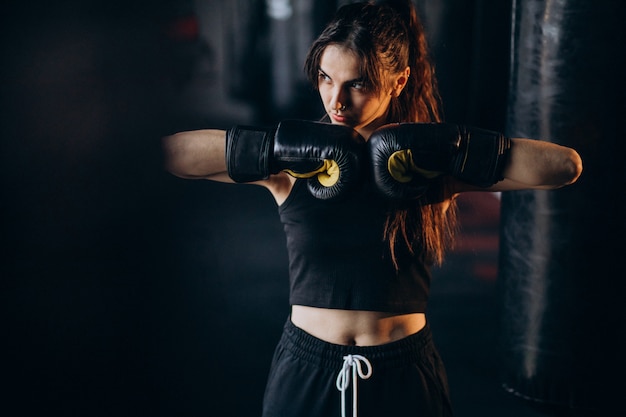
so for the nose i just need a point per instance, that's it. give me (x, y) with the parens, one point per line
(338, 99)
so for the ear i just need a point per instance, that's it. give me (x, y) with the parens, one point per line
(401, 80)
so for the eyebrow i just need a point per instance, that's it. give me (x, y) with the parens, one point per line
(356, 80)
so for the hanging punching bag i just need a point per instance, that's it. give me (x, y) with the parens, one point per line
(562, 253)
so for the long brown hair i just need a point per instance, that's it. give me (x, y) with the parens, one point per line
(387, 37)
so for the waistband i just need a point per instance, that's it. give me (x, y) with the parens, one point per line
(403, 352)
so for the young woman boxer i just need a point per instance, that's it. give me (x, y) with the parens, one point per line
(366, 198)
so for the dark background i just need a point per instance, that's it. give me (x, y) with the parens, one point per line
(129, 292)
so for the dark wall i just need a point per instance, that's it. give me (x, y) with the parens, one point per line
(84, 219)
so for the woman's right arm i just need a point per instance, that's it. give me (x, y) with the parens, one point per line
(201, 154)
(197, 154)
(272, 158)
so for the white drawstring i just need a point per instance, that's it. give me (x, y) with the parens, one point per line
(343, 379)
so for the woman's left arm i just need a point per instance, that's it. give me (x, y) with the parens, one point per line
(535, 164)
(540, 164)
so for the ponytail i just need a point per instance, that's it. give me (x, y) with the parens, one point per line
(421, 101)
(428, 226)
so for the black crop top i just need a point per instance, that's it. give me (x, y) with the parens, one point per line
(338, 259)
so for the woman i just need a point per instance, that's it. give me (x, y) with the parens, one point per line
(357, 337)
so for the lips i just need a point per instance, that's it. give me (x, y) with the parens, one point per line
(338, 118)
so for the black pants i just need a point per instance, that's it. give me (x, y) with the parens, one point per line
(407, 378)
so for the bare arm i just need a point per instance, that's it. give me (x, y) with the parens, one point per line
(197, 154)
(201, 154)
(536, 164)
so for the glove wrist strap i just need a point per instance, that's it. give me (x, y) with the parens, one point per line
(484, 158)
(247, 153)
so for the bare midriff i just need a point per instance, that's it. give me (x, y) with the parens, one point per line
(356, 327)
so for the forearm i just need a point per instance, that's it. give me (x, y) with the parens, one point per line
(196, 154)
(539, 164)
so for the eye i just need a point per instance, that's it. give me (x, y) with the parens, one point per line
(323, 77)
(358, 85)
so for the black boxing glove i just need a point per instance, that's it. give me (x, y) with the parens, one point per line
(406, 157)
(329, 156)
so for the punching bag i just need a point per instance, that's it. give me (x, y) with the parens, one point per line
(562, 252)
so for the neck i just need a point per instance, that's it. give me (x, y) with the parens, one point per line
(367, 130)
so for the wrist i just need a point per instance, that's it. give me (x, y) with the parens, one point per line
(247, 153)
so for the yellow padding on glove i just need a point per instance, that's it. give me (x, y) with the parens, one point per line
(327, 174)
(402, 168)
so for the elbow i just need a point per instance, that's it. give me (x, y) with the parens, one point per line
(573, 167)
(570, 169)
(564, 170)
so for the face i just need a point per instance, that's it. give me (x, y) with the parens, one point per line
(346, 98)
